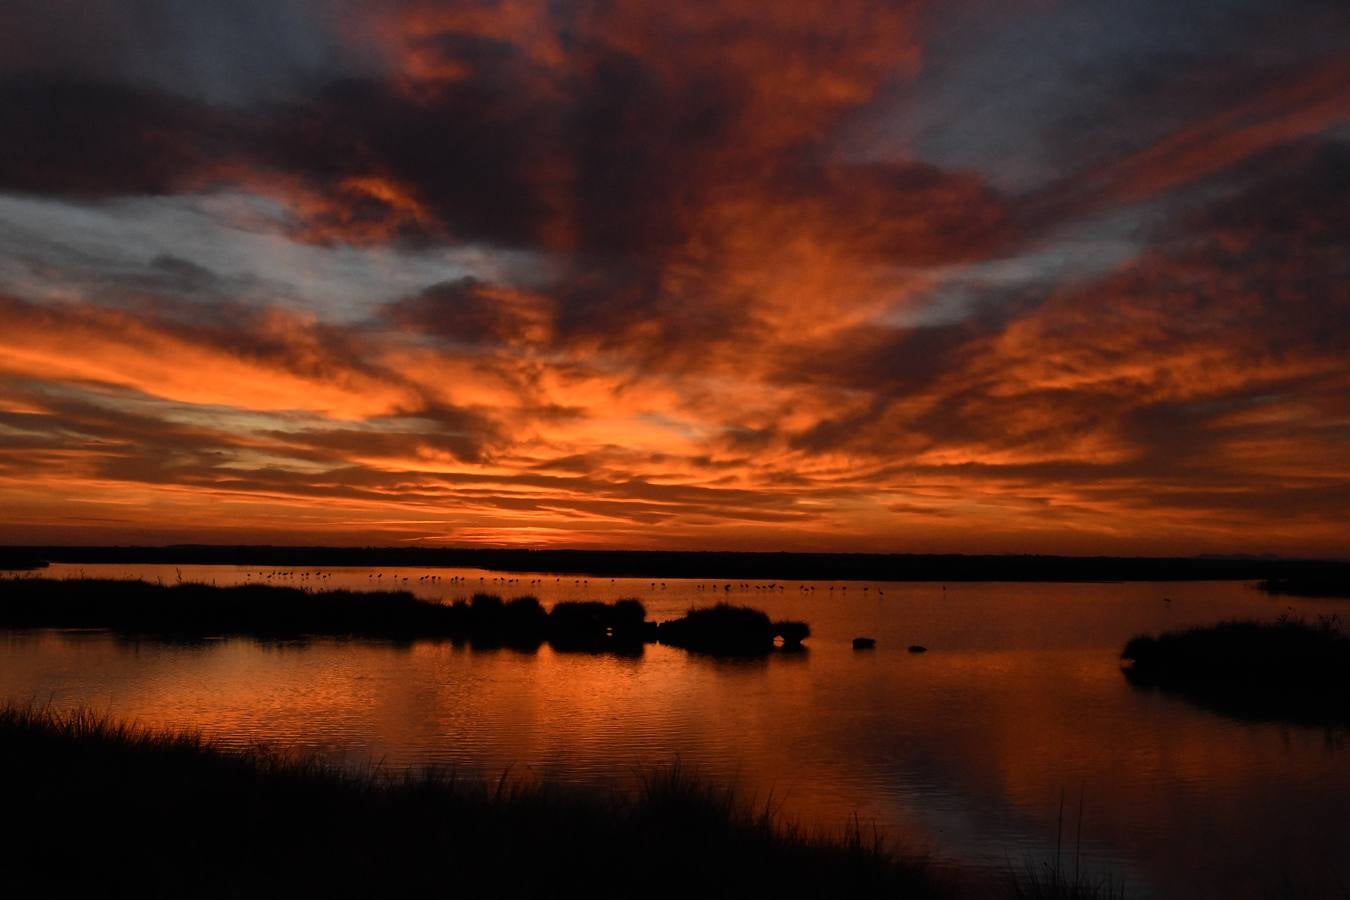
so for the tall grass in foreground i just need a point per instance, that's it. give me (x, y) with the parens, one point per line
(1061, 878)
(96, 805)
(1046, 882)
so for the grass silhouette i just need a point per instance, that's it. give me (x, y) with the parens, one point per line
(97, 805)
(1059, 879)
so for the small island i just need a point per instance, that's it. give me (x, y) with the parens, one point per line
(1285, 670)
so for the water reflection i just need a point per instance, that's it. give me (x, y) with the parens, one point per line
(965, 751)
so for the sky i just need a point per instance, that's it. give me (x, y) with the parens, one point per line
(1052, 276)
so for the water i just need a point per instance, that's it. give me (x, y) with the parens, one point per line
(965, 752)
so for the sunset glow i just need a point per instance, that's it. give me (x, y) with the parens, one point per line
(919, 277)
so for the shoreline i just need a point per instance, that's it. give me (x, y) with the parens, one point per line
(712, 564)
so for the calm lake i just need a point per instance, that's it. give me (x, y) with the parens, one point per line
(965, 752)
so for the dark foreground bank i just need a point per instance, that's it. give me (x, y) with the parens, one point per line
(192, 611)
(96, 806)
(105, 809)
(1287, 670)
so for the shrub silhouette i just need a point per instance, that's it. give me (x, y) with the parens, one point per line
(723, 629)
(792, 633)
(1286, 669)
(189, 611)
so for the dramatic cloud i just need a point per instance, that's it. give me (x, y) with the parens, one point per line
(880, 276)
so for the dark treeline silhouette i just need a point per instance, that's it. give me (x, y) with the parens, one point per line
(1287, 670)
(680, 564)
(192, 611)
(13, 559)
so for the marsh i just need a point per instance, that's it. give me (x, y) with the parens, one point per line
(963, 753)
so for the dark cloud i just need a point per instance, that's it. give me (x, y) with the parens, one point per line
(232, 53)
(470, 312)
(91, 139)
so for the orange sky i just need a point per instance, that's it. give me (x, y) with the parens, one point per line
(979, 277)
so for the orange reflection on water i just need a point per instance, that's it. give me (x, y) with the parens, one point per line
(964, 751)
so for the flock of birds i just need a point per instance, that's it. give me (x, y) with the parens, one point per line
(319, 576)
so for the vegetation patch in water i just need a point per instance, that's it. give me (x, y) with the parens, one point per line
(192, 611)
(1327, 584)
(730, 630)
(1287, 669)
